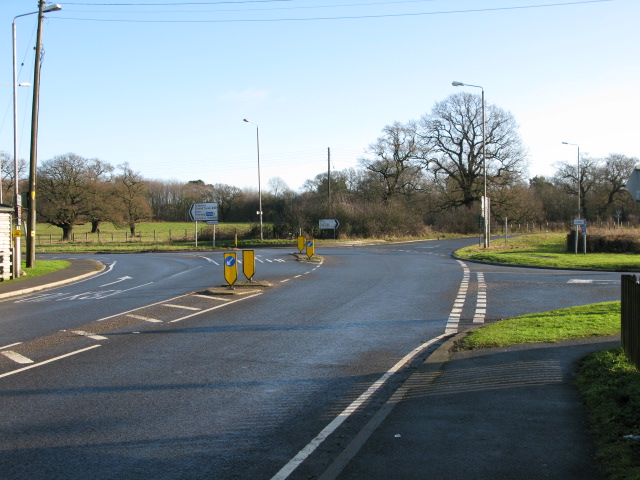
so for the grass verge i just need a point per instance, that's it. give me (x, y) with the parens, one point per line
(553, 326)
(610, 385)
(548, 250)
(42, 267)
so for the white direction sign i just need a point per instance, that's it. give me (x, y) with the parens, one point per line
(204, 212)
(329, 224)
(633, 184)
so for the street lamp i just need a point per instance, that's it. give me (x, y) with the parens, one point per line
(259, 186)
(579, 204)
(31, 202)
(485, 200)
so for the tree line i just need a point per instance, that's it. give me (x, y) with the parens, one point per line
(420, 176)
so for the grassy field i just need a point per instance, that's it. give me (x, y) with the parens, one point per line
(548, 250)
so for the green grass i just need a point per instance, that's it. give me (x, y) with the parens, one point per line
(42, 267)
(552, 326)
(548, 250)
(610, 385)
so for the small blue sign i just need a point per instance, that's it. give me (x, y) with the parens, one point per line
(229, 261)
(310, 243)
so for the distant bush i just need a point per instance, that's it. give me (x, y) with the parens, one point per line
(607, 241)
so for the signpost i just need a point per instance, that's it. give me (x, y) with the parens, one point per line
(248, 264)
(204, 212)
(230, 268)
(329, 224)
(310, 248)
(301, 244)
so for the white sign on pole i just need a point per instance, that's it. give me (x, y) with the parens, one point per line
(204, 212)
(329, 224)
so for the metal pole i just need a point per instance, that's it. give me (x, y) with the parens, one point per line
(17, 203)
(487, 240)
(259, 182)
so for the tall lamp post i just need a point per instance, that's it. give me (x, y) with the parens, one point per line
(485, 200)
(259, 186)
(579, 203)
(33, 158)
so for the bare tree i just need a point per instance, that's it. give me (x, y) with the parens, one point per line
(566, 178)
(394, 166)
(131, 190)
(451, 147)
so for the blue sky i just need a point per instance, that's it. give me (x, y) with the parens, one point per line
(166, 87)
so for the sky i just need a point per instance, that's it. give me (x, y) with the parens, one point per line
(164, 85)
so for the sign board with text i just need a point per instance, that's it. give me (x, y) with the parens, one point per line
(204, 212)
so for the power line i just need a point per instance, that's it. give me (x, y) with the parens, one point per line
(353, 17)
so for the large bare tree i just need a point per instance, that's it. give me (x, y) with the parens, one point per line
(451, 147)
(394, 168)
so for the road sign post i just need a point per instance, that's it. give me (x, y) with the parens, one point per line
(248, 264)
(230, 268)
(310, 248)
(301, 244)
(204, 212)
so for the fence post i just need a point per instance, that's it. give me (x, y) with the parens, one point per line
(630, 318)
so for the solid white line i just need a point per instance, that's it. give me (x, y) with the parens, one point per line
(346, 413)
(210, 297)
(47, 361)
(146, 319)
(9, 346)
(181, 306)
(214, 308)
(93, 336)
(16, 357)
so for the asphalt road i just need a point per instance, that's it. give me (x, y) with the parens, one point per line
(135, 374)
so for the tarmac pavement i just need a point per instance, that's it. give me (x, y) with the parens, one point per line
(499, 413)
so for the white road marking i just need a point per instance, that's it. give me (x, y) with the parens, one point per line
(211, 297)
(16, 357)
(121, 279)
(55, 359)
(593, 282)
(214, 308)
(209, 260)
(11, 345)
(181, 306)
(481, 302)
(92, 336)
(142, 317)
(456, 311)
(346, 413)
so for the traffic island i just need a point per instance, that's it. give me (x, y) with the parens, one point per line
(239, 288)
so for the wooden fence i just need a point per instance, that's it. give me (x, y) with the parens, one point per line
(630, 312)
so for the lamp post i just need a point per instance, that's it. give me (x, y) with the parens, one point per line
(259, 186)
(579, 203)
(33, 158)
(485, 200)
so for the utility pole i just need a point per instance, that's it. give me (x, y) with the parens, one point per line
(31, 202)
